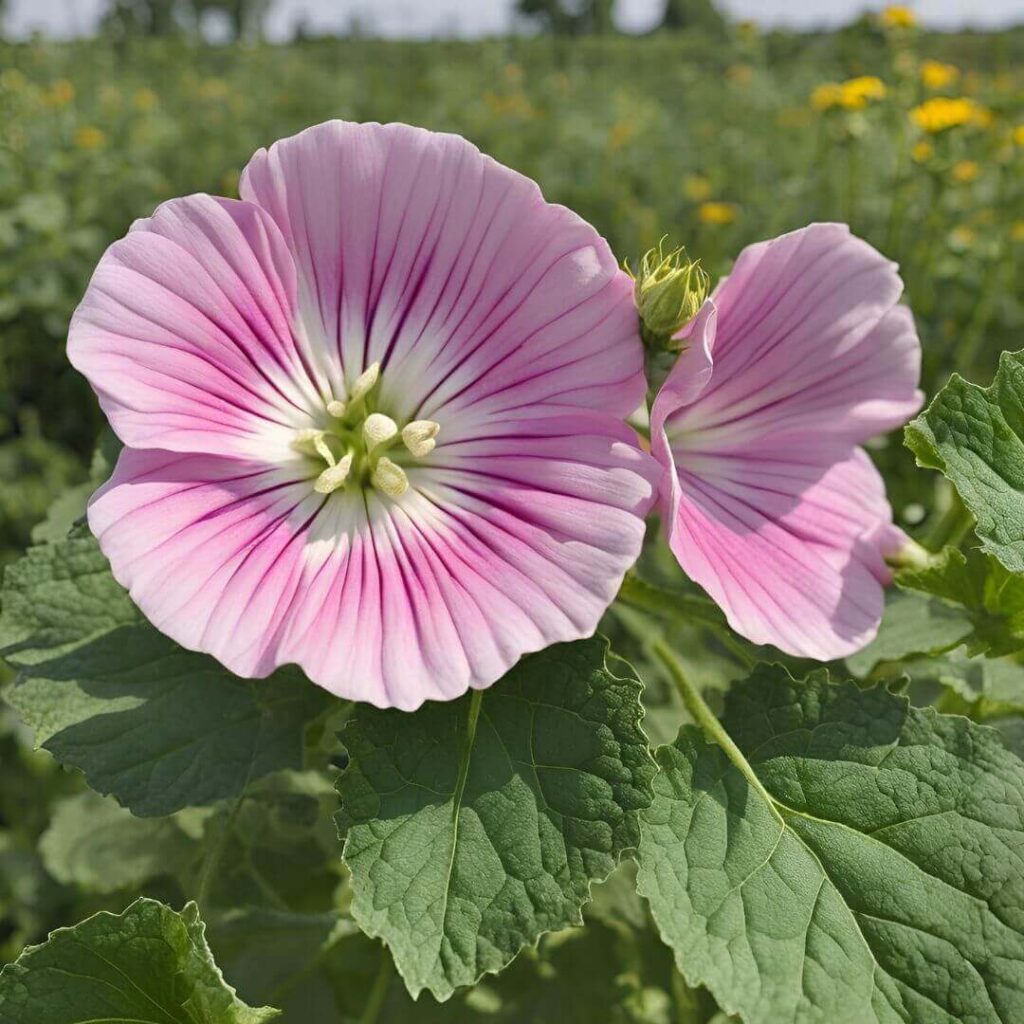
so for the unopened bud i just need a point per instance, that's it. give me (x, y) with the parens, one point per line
(669, 289)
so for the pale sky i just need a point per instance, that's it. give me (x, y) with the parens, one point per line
(482, 17)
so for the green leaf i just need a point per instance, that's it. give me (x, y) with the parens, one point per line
(94, 843)
(975, 437)
(476, 825)
(869, 868)
(913, 624)
(281, 847)
(69, 507)
(992, 597)
(156, 726)
(321, 968)
(148, 965)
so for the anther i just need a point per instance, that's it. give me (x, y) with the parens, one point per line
(389, 478)
(378, 429)
(364, 383)
(336, 408)
(419, 435)
(334, 476)
(323, 449)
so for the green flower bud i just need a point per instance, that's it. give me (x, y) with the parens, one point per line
(669, 289)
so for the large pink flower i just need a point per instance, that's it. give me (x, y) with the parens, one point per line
(373, 415)
(799, 355)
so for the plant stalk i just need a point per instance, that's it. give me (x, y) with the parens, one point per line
(709, 723)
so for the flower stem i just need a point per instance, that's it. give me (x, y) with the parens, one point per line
(709, 723)
(212, 861)
(951, 527)
(379, 991)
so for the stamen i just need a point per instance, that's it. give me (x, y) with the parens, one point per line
(389, 478)
(419, 435)
(305, 440)
(334, 476)
(378, 429)
(323, 449)
(364, 383)
(336, 408)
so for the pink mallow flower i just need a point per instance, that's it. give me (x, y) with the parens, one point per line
(801, 354)
(374, 416)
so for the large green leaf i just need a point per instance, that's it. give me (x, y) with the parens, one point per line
(991, 596)
(975, 437)
(859, 862)
(155, 725)
(148, 965)
(913, 624)
(475, 826)
(94, 843)
(321, 969)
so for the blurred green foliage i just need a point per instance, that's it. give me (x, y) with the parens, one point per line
(716, 142)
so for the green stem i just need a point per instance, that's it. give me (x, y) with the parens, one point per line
(709, 723)
(307, 970)
(951, 527)
(213, 858)
(475, 700)
(380, 986)
(693, 610)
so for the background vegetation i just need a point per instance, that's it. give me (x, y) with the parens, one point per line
(715, 135)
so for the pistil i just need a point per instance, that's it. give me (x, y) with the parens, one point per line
(353, 446)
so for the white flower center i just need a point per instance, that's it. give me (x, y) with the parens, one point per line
(362, 446)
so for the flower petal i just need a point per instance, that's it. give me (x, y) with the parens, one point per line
(417, 251)
(494, 553)
(809, 337)
(791, 551)
(188, 334)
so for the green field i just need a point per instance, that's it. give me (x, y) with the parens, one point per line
(712, 142)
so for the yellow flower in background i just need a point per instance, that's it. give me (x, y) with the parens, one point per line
(962, 237)
(88, 137)
(740, 74)
(827, 95)
(60, 94)
(936, 75)
(857, 93)
(717, 213)
(898, 16)
(144, 100)
(1017, 231)
(853, 94)
(941, 113)
(12, 80)
(966, 171)
(214, 89)
(1018, 135)
(922, 152)
(696, 187)
(621, 133)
